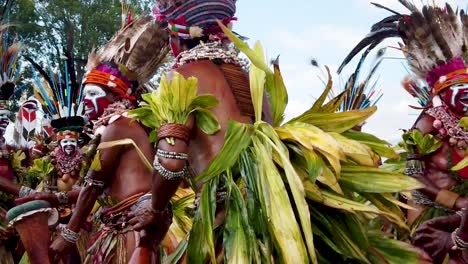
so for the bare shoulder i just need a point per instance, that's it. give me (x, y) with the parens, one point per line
(425, 124)
(122, 128)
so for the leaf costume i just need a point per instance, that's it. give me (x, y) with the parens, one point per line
(296, 192)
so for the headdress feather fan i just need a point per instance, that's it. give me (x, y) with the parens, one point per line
(141, 46)
(430, 38)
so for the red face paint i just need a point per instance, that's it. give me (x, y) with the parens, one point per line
(456, 97)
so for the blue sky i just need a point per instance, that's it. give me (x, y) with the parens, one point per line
(299, 30)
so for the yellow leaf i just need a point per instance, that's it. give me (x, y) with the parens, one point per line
(257, 84)
(335, 122)
(296, 187)
(126, 141)
(358, 152)
(96, 164)
(312, 138)
(283, 225)
(461, 165)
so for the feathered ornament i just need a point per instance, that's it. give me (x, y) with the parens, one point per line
(433, 39)
(358, 94)
(10, 68)
(138, 50)
(59, 99)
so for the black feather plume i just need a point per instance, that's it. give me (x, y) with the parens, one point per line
(385, 8)
(371, 41)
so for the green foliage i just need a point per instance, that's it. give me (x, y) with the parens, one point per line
(174, 102)
(301, 192)
(43, 167)
(426, 144)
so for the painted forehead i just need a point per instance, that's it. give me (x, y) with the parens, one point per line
(92, 88)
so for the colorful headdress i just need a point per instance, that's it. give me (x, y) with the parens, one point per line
(68, 127)
(191, 19)
(361, 93)
(434, 43)
(9, 53)
(60, 100)
(130, 58)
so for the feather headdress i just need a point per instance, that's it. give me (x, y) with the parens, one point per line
(130, 58)
(434, 42)
(360, 94)
(60, 100)
(10, 69)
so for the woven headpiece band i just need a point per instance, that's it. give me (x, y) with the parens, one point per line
(178, 28)
(111, 82)
(453, 78)
(67, 134)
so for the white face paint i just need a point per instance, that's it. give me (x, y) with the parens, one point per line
(92, 93)
(68, 145)
(4, 119)
(459, 98)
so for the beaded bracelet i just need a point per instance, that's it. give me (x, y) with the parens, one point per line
(92, 182)
(25, 191)
(171, 155)
(70, 236)
(170, 175)
(62, 198)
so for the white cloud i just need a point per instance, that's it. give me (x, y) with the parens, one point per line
(316, 38)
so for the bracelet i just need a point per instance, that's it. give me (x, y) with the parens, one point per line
(447, 198)
(461, 212)
(92, 182)
(62, 198)
(458, 243)
(414, 156)
(174, 130)
(70, 236)
(25, 191)
(167, 174)
(171, 155)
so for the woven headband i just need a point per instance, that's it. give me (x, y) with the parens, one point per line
(453, 78)
(113, 83)
(67, 134)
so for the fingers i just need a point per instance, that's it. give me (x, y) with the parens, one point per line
(445, 223)
(53, 255)
(24, 200)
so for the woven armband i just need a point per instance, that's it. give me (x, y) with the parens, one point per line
(177, 131)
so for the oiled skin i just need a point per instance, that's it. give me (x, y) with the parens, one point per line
(122, 170)
(437, 172)
(202, 148)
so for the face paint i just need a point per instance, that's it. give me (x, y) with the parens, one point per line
(4, 120)
(174, 48)
(95, 101)
(68, 145)
(456, 97)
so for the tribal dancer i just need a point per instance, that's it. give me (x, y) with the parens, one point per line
(61, 102)
(263, 184)
(10, 72)
(434, 43)
(120, 170)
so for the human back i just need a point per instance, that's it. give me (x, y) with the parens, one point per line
(211, 80)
